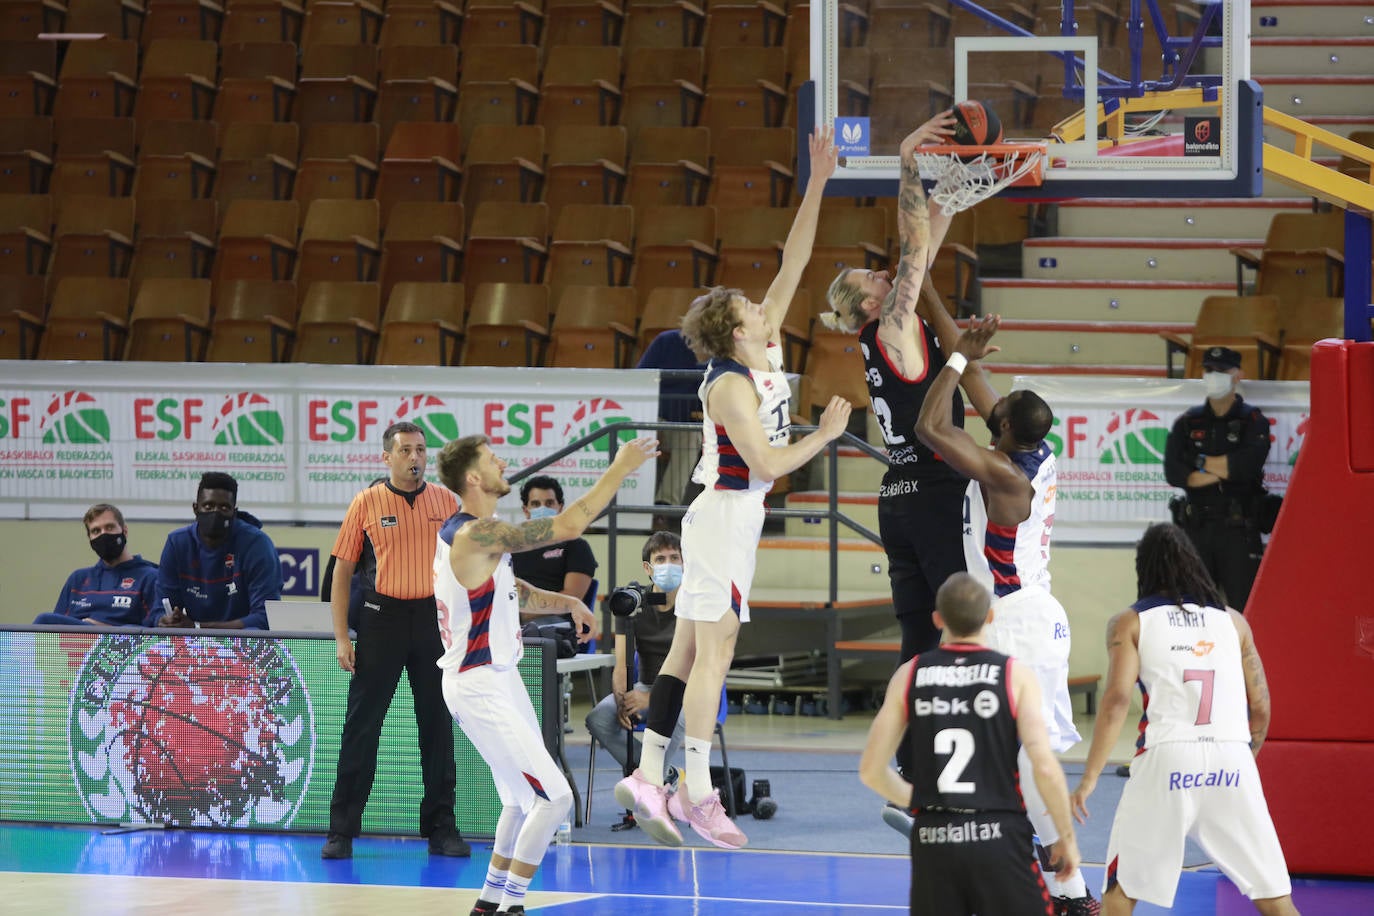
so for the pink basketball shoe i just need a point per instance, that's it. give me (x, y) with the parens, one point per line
(650, 805)
(708, 818)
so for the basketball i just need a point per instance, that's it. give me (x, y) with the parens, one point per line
(976, 125)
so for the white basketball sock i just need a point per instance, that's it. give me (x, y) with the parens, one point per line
(698, 767)
(651, 756)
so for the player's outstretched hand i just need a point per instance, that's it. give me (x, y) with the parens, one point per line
(1078, 799)
(835, 418)
(824, 156)
(937, 130)
(634, 453)
(976, 340)
(1066, 858)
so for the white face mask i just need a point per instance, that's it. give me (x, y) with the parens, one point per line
(1217, 384)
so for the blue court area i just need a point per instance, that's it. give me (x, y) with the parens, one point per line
(576, 879)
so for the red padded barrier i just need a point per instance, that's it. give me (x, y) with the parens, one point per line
(1310, 608)
(1361, 386)
(1321, 797)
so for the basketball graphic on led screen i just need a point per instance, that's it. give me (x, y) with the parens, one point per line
(975, 124)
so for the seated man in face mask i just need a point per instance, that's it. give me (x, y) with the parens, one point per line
(566, 568)
(650, 631)
(220, 571)
(119, 590)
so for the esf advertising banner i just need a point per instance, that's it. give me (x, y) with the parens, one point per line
(301, 440)
(1109, 437)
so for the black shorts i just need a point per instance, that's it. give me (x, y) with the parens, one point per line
(963, 864)
(923, 534)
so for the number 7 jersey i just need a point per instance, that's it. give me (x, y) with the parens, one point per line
(1191, 678)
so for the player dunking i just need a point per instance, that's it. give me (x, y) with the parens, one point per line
(480, 602)
(964, 709)
(744, 449)
(1018, 480)
(1206, 716)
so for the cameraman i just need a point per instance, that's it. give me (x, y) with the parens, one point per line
(651, 627)
(1216, 453)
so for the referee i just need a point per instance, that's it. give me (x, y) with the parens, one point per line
(398, 628)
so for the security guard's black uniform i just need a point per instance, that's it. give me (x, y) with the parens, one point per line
(1222, 516)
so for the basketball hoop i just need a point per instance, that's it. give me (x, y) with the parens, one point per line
(966, 175)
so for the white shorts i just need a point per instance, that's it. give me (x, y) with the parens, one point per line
(1161, 804)
(720, 542)
(1030, 625)
(494, 710)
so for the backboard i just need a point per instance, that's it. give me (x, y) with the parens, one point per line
(1136, 98)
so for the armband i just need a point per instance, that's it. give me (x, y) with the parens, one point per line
(958, 362)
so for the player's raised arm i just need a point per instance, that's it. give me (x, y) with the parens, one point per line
(914, 228)
(974, 380)
(796, 252)
(493, 536)
(936, 428)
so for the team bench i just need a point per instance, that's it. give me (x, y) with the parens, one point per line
(1085, 684)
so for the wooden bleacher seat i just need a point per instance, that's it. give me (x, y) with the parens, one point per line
(341, 23)
(262, 21)
(175, 241)
(591, 246)
(507, 243)
(583, 23)
(752, 166)
(1247, 324)
(669, 165)
(21, 315)
(330, 61)
(581, 85)
(492, 22)
(338, 323)
(170, 321)
(254, 321)
(257, 240)
(93, 238)
(504, 163)
(87, 319)
(423, 243)
(1303, 258)
(422, 163)
(593, 328)
(97, 79)
(412, 23)
(338, 243)
(664, 309)
(586, 165)
(679, 24)
(507, 325)
(674, 246)
(182, 19)
(177, 80)
(423, 325)
(751, 240)
(118, 20)
(255, 60)
(1302, 326)
(26, 226)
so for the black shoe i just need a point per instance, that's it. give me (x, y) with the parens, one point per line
(449, 843)
(1124, 771)
(1077, 906)
(337, 846)
(484, 908)
(513, 911)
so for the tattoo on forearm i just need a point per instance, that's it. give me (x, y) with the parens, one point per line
(494, 533)
(580, 506)
(1255, 682)
(533, 600)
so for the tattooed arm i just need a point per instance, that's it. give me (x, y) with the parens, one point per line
(538, 602)
(1123, 669)
(1256, 685)
(913, 227)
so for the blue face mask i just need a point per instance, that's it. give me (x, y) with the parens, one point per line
(543, 512)
(668, 576)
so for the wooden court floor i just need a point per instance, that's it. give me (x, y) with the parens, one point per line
(80, 870)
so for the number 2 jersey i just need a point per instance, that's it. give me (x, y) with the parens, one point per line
(897, 405)
(721, 466)
(478, 626)
(1191, 678)
(962, 728)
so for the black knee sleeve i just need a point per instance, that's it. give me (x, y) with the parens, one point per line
(665, 704)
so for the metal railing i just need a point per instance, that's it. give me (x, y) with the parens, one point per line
(831, 514)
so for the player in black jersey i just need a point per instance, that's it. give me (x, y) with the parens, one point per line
(921, 499)
(965, 711)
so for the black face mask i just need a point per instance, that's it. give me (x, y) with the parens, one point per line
(211, 526)
(109, 546)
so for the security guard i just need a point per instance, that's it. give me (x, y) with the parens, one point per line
(1216, 453)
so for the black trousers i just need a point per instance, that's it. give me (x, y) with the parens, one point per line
(400, 635)
(1231, 554)
(953, 875)
(923, 535)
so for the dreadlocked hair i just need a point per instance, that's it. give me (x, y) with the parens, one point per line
(1167, 564)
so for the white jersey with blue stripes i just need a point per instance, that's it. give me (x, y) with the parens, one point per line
(721, 466)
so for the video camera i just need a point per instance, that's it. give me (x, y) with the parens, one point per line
(629, 600)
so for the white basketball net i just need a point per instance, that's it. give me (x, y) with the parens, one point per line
(959, 185)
